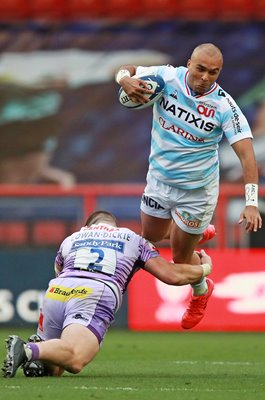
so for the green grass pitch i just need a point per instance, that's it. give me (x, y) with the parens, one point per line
(159, 366)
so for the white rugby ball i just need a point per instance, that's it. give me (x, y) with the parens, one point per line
(154, 82)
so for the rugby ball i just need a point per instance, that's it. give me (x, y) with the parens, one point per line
(154, 82)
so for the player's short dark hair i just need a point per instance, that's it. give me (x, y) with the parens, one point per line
(101, 216)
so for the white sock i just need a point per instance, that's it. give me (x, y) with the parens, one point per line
(200, 288)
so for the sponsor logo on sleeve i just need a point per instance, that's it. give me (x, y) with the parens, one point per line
(235, 118)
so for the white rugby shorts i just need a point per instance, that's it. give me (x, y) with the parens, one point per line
(192, 210)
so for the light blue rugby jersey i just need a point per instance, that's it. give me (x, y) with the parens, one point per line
(187, 129)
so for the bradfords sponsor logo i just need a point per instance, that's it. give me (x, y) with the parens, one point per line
(186, 219)
(186, 116)
(235, 118)
(64, 294)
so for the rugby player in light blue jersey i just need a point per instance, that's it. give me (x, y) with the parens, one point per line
(93, 268)
(189, 121)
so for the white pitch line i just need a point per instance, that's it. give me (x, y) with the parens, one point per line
(127, 389)
(155, 389)
(12, 387)
(217, 362)
(159, 389)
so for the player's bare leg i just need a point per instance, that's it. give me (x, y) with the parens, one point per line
(76, 348)
(183, 247)
(153, 228)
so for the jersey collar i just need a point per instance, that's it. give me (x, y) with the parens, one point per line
(190, 91)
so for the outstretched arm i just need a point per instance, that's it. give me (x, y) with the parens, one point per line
(245, 152)
(179, 274)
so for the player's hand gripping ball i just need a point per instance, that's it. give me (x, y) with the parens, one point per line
(155, 83)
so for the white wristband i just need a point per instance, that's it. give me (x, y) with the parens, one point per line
(251, 194)
(121, 74)
(207, 269)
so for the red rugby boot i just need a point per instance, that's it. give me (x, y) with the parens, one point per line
(208, 234)
(197, 307)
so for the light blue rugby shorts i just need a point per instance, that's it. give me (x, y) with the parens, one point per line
(191, 209)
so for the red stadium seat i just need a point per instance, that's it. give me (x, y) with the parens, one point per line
(48, 233)
(13, 233)
(86, 8)
(235, 9)
(48, 9)
(197, 9)
(259, 10)
(14, 9)
(160, 9)
(124, 8)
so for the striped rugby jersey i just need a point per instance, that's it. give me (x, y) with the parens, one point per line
(187, 129)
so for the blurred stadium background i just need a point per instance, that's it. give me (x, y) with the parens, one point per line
(67, 147)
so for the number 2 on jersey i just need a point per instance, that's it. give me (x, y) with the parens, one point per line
(94, 265)
(95, 259)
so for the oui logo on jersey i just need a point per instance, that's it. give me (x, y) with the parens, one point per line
(203, 110)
